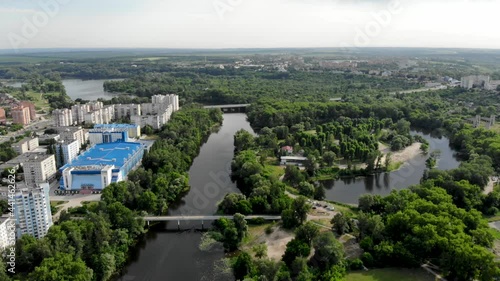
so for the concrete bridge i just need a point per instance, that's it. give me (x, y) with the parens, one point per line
(228, 108)
(202, 218)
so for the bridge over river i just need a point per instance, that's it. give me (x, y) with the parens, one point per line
(202, 218)
(228, 108)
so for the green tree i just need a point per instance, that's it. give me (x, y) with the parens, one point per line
(62, 267)
(340, 223)
(307, 232)
(260, 250)
(328, 251)
(329, 158)
(242, 266)
(306, 189)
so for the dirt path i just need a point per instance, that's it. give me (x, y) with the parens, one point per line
(491, 185)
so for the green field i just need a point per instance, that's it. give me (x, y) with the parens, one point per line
(390, 274)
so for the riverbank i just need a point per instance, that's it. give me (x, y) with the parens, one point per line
(399, 158)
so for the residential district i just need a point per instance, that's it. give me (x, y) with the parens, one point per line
(72, 160)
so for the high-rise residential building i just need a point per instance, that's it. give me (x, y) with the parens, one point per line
(66, 151)
(26, 145)
(32, 211)
(78, 112)
(3, 117)
(7, 226)
(480, 81)
(127, 110)
(63, 117)
(38, 167)
(21, 115)
(73, 133)
(31, 107)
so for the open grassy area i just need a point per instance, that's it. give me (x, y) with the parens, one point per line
(36, 98)
(390, 274)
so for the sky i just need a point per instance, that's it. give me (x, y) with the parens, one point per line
(249, 23)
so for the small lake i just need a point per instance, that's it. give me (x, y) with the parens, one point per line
(349, 190)
(88, 89)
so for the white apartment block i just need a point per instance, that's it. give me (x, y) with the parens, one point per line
(7, 226)
(73, 133)
(78, 112)
(32, 211)
(63, 117)
(38, 167)
(167, 99)
(154, 120)
(94, 105)
(481, 81)
(70, 150)
(26, 145)
(127, 110)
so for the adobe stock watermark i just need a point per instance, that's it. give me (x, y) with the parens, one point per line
(222, 7)
(373, 28)
(10, 250)
(33, 23)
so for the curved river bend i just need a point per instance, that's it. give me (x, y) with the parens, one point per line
(167, 254)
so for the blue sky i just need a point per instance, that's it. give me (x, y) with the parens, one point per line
(248, 23)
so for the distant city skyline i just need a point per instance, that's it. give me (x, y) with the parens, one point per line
(215, 24)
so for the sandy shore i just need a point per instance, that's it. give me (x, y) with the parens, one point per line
(402, 156)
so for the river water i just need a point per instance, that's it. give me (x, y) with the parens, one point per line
(349, 190)
(169, 254)
(87, 89)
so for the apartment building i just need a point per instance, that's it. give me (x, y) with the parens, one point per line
(32, 212)
(63, 117)
(38, 167)
(66, 151)
(26, 145)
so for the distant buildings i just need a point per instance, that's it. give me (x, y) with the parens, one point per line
(134, 131)
(38, 167)
(155, 114)
(26, 145)
(32, 210)
(100, 166)
(92, 113)
(479, 81)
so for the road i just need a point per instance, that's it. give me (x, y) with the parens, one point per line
(30, 127)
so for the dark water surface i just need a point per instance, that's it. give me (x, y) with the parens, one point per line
(349, 190)
(167, 254)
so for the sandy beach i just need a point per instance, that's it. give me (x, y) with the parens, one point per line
(402, 156)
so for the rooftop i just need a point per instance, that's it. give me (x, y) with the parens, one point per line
(115, 126)
(34, 157)
(106, 154)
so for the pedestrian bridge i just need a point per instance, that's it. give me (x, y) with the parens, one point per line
(228, 108)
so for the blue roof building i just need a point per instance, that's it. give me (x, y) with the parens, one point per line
(100, 166)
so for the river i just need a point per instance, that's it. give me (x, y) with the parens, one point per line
(87, 89)
(349, 190)
(167, 254)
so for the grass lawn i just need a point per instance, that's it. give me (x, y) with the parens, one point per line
(390, 274)
(36, 98)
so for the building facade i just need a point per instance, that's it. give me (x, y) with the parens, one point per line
(21, 115)
(100, 166)
(73, 133)
(63, 117)
(66, 151)
(26, 145)
(3, 117)
(32, 212)
(7, 226)
(38, 168)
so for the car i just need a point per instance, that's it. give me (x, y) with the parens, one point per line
(314, 208)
